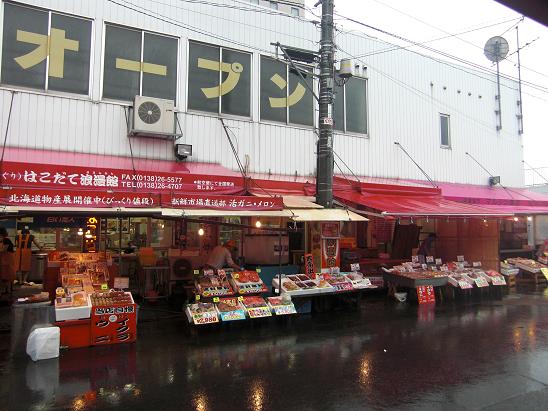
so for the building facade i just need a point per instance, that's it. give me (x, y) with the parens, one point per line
(70, 70)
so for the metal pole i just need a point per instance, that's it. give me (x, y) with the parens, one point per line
(324, 180)
(497, 54)
(520, 103)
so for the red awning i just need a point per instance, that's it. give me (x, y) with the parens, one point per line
(517, 210)
(409, 205)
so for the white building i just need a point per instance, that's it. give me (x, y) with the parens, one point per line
(102, 53)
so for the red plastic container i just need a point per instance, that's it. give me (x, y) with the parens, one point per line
(75, 333)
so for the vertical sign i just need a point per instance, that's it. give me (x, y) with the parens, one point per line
(425, 294)
(309, 268)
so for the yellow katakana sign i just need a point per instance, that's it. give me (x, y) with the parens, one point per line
(53, 46)
(292, 99)
(141, 66)
(234, 71)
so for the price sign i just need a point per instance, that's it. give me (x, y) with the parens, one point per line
(198, 297)
(444, 268)
(205, 318)
(430, 259)
(460, 258)
(355, 267)
(121, 282)
(235, 276)
(221, 273)
(233, 315)
(476, 264)
(309, 268)
(424, 266)
(438, 261)
(284, 309)
(498, 280)
(415, 259)
(481, 282)
(196, 272)
(215, 299)
(240, 298)
(259, 312)
(104, 287)
(465, 285)
(258, 271)
(544, 271)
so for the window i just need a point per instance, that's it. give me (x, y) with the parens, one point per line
(295, 11)
(445, 131)
(274, 5)
(219, 80)
(350, 107)
(255, 1)
(45, 50)
(139, 63)
(285, 97)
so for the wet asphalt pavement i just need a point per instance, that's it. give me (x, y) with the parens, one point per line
(490, 354)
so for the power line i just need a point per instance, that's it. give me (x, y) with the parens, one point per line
(433, 50)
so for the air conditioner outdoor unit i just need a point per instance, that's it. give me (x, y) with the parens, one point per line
(153, 116)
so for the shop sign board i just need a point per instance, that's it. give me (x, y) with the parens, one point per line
(31, 175)
(425, 294)
(330, 254)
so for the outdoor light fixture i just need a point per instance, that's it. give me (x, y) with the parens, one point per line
(258, 224)
(182, 151)
(516, 219)
(529, 218)
(80, 231)
(201, 232)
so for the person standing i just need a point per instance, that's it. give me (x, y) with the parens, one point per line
(23, 254)
(7, 269)
(427, 247)
(220, 257)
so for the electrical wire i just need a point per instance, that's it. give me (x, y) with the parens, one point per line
(447, 55)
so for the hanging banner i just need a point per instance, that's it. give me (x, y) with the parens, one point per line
(330, 254)
(17, 174)
(223, 202)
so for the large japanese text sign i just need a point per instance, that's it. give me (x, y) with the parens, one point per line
(52, 55)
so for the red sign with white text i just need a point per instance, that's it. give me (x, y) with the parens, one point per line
(30, 175)
(226, 202)
(77, 198)
(95, 198)
(425, 294)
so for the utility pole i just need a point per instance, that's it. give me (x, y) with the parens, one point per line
(520, 103)
(325, 161)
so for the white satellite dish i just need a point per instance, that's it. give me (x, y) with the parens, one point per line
(496, 49)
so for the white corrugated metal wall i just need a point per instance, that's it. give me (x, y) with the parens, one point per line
(406, 93)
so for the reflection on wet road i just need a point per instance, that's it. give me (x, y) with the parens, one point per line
(489, 354)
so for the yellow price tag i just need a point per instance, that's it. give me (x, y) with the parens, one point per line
(196, 272)
(240, 299)
(198, 298)
(545, 272)
(215, 299)
(104, 287)
(235, 276)
(258, 270)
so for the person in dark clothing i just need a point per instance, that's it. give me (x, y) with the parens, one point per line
(7, 269)
(427, 247)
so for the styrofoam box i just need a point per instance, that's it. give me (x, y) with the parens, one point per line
(73, 313)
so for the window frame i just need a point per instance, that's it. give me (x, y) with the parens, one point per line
(46, 90)
(219, 112)
(292, 13)
(286, 122)
(274, 5)
(345, 129)
(448, 117)
(143, 31)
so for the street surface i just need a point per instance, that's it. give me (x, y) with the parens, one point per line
(490, 354)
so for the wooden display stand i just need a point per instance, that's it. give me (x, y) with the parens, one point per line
(525, 277)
